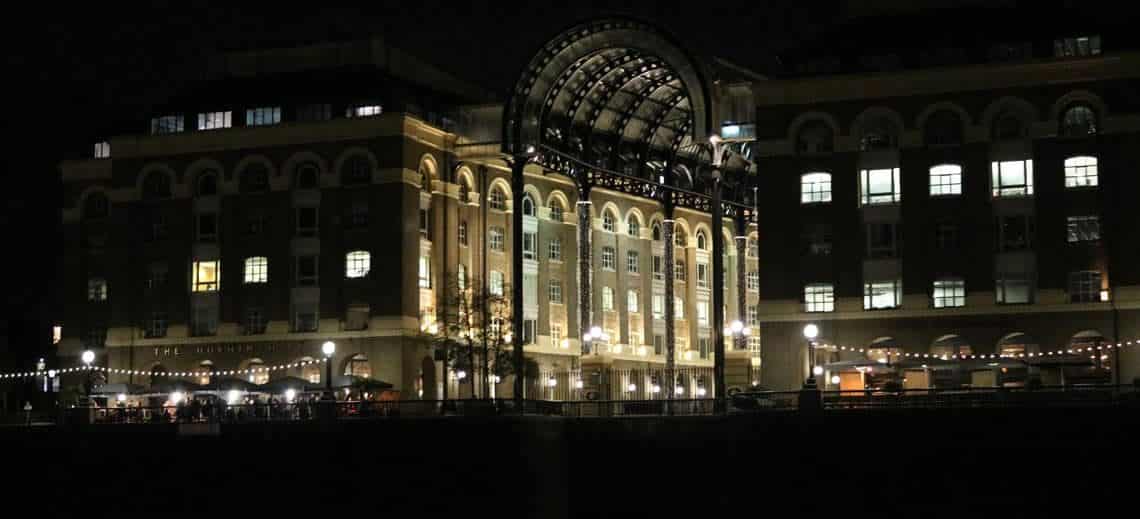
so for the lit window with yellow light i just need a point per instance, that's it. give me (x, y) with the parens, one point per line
(207, 276)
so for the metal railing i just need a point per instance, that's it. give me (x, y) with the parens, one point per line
(1103, 396)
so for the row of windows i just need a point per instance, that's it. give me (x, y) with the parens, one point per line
(1011, 288)
(1007, 179)
(943, 128)
(1011, 233)
(259, 116)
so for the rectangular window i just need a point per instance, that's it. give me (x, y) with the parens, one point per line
(256, 270)
(306, 221)
(166, 124)
(96, 289)
(306, 271)
(263, 116)
(817, 240)
(607, 299)
(1011, 178)
(702, 275)
(678, 309)
(555, 249)
(880, 186)
(1084, 228)
(658, 306)
(658, 344)
(358, 215)
(254, 321)
(949, 293)
(463, 233)
(207, 227)
(1084, 286)
(632, 262)
(608, 260)
(1081, 172)
(679, 270)
(555, 335)
(495, 239)
(102, 150)
(882, 295)
(1079, 46)
(156, 276)
(1013, 288)
(702, 313)
(703, 345)
(658, 268)
(425, 272)
(215, 120)
(205, 322)
(819, 298)
(753, 316)
(207, 274)
(556, 291)
(881, 240)
(815, 188)
(1014, 232)
(363, 111)
(314, 112)
(946, 236)
(356, 317)
(753, 280)
(633, 303)
(530, 245)
(496, 283)
(946, 180)
(530, 331)
(305, 318)
(156, 325)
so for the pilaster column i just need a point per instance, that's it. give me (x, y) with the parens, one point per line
(670, 330)
(717, 330)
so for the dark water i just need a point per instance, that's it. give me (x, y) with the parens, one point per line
(981, 464)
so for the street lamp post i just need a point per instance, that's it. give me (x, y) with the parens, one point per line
(811, 331)
(88, 358)
(328, 348)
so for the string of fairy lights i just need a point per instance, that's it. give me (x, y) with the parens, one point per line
(52, 373)
(995, 356)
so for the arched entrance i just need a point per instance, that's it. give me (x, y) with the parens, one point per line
(620, 104)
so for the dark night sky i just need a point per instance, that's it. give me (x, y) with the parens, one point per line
(71, 70)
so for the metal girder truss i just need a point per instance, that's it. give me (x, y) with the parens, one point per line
(587, 175)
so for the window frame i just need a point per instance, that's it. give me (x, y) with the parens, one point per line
(816, 190)
(197, 284)
(946, 189)
(255, 270)
(608, 258)
(1074, 228)
(893, 285)
(869, 198)
(819, 298)
(999, 189)
(1079, 170)
(357, 264)
(949, 292)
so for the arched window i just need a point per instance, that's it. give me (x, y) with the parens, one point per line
(356, 170)
(95, 206)
(310, 370)
(702, 241)
(1009, 126)
(609, 223)
(815, 137)
(943, 128)
(656, 231)
(464, 191)
(556, 210)
(946, 180)
(950, 346)
(633, 226)
(205, 370)
(496, 199)
(815, 188)
(528, 205)
(257, 373)
(357, 264)
(306, 176)
(207, 184)
(1078, 120)
(254, 179)
(156, 185)
(1080, 172)
(878, 134)
(358, 366)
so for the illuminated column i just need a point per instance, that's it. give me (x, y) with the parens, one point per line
(717, 330)
(670, 331)
(741, 270)
(517, 275)
(585, 321)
